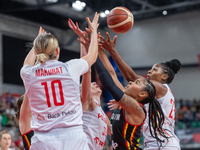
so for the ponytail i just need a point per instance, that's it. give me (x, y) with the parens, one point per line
(42, 58)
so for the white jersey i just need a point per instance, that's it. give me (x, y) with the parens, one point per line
(53, 92)
(168, 106)
(95, 127)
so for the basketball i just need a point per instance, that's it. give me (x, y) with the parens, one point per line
(120, 20)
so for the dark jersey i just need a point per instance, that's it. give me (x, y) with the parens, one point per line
(27, 139)
(125, 136)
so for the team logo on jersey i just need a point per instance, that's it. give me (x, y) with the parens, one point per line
(98, 141)
(114, 145)
(61, 114)
(40, 117)
(102, 117)
(115, 116)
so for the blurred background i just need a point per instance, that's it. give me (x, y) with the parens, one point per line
(163, 30)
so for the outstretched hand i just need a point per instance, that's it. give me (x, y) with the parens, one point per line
(94, 24)
(108, 44)
(112, 104)
(85, 40)
(76, 28)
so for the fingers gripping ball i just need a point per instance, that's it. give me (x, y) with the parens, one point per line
(120, 20)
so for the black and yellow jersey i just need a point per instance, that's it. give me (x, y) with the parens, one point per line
(125, 136)
(27, 139)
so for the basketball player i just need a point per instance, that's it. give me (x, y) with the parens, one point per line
(161, 75)
(5, 140)
(95, 121)
(23, 114)
(127, 119)
(53, 91)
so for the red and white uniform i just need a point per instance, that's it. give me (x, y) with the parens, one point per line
(95, 126)
(53, 92)
(168, 106)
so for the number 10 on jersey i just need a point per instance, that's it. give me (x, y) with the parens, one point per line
(52, 87)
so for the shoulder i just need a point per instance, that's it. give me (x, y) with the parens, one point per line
(25, 70)
(76, 61)
(26, 67)
(90, 105)
(161, 89)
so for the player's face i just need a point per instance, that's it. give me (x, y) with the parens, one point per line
(6, 140)
(155, 73)
(95, 89)
(133, 89)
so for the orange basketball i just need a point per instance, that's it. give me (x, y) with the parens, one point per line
(120, 20)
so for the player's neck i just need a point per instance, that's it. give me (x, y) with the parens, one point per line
(4, 148)
(97, 98)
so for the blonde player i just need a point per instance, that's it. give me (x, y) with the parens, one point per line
(23, 114)
(95, 122)
(5, 140)
(53, 91)
(160, 75)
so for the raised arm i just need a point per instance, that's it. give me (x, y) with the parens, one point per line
(30, 58)
(126, 70)
(109, 67)
(131, 106)
(93, 48)
(86, 98)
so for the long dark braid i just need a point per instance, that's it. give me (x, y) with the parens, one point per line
(156, 115)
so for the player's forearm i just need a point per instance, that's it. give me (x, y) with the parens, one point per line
(93, 47)
(125, 69)
(93, 50)
(130, 105)
(106, 62)
(30, 58)
(104, 59)
(86, 87)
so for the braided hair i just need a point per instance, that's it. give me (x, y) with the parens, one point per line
(156, 115)
(171, 68)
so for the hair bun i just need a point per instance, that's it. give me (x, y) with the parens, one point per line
(174, 64)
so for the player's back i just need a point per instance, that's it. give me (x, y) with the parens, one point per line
(54, 97)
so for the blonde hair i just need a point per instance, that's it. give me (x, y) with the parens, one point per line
(45, 45)
(4, 132)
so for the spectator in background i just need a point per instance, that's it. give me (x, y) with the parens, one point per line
(198, 115)
(19, 141)
(5, 140)
(181, 102)
(193, 110)
(180, 115)
(198, 105)
(188, 103)
(10, 108)
(194, 101)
